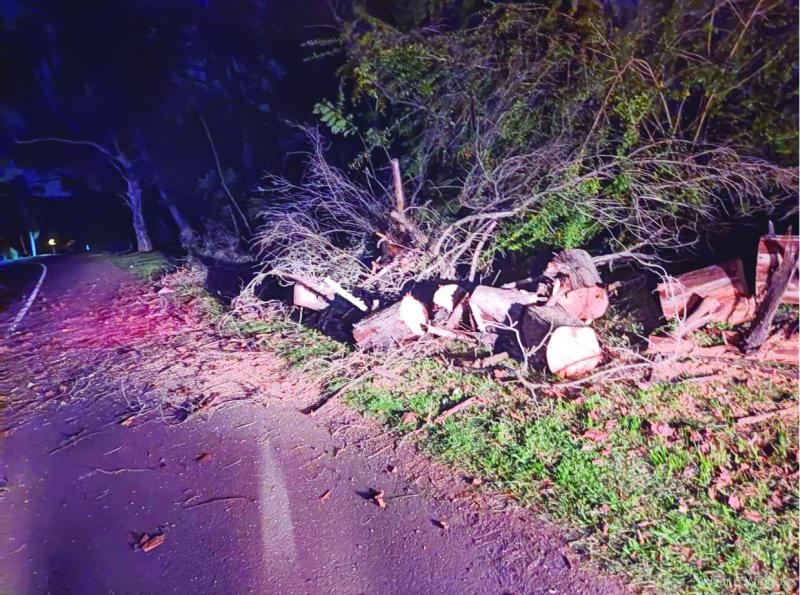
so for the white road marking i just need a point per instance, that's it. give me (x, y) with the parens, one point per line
(21, 314)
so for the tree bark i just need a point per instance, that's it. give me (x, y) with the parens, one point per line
(134, 196)
(494, 307)
(577, 267)
(759, 332)
(540, 321)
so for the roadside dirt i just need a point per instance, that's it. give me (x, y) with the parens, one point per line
(125, 417)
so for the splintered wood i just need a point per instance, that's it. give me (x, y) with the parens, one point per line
(719, 293)
(771, 250)
(724, 284)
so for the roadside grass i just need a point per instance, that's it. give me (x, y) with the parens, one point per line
(658, 483)
(299, 346)
(148, 266)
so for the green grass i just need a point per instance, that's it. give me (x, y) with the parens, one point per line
(299, 346)
(148, 266)
(648, 505)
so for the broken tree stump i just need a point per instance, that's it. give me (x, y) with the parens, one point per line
(778, 282)
(494, 307)
(391, 326)
(724, 283)
(771, 250)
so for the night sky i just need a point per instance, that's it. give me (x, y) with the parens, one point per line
(140, 74)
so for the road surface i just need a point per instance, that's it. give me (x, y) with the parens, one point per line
(99, 448)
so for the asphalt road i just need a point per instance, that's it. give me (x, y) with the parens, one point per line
(253, 498)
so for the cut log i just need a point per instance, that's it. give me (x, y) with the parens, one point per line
(448, 305)
(539, 322)
(494, 307)
(586, 303)
(772, 298)
(414, 314)
(725, 283)
(305, 297)
(573, 351)
(576, 269)
(391, 326)
(448, 296)
(770, 255)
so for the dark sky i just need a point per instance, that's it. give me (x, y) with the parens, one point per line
(121, 69)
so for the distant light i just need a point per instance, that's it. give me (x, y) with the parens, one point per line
(87, 247)
(51, 242)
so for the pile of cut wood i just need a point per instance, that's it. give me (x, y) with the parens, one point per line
(719, 294)
(547, 317)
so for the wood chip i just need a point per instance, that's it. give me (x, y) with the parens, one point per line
(151, 542)
(325, 496)
(378, 498)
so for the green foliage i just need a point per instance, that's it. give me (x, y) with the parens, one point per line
(334, 118)
(148, 266)
(517, 80)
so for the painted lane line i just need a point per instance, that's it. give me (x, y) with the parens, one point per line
(29, 302)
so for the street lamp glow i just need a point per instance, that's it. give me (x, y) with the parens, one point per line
(51, 242)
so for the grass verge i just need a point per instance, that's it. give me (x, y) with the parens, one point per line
(147, 266)
(661, 483)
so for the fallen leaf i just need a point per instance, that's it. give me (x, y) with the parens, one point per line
(409, 418)
(595, 435)
(735, 502)
(441, 523)
(752, 515)
(662, 429)
(203, 457)
(476, 481)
